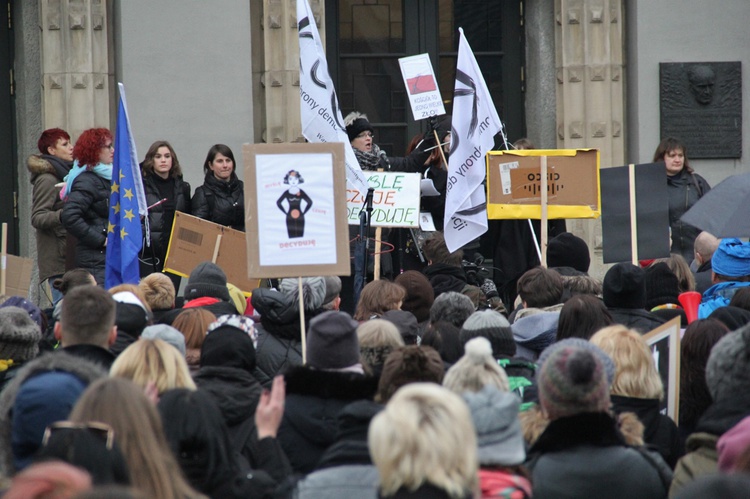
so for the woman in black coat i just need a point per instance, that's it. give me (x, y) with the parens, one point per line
(221, 197)
(166, 192)
(86, 211)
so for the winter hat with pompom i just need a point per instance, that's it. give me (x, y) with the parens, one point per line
(476, 369)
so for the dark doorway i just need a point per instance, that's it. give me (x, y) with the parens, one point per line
(9, 185)
(365, 39)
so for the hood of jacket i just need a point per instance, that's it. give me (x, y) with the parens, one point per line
(234, 390)
(445, 278)
(721, 415)
(537, 331)
(54, 361)
(38, 164)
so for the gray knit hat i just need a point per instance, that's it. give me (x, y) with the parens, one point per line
(606, 360)
(166, 333)
(332, 341)
(313, 289)
(207, 279)
(495, 417)
(333, 288)
(493, 326)
(728, 367)
(19, 335)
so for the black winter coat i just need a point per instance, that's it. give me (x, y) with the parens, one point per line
(221, 202)
(85, 216)
(640, 320)
(161, 217)
(685, 189)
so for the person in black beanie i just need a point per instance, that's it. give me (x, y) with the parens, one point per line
(662, 293)
(624, 291)
(206, 288)
(568, 250)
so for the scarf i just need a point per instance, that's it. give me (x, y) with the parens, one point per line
(370, 160)
(104, 171)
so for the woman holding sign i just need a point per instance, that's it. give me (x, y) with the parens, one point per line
(685, 188)
(221, 198)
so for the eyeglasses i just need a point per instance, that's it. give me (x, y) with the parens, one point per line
(111, 147)
(102, 430)
(365, 135)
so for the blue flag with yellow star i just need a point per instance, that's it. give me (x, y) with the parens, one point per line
(127, 202)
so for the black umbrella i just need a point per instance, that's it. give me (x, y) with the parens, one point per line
(725, 210)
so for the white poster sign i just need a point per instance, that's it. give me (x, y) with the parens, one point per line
(295, 206)
(395, 201)
(421, 86)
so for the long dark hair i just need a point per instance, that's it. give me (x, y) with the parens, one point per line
(148, 161)
(669, 144)
(581, 317)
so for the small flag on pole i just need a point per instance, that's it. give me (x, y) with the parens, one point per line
(475, 124)
(127, 203)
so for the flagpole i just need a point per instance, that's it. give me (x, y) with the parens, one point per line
(633, 220)
(545, 228)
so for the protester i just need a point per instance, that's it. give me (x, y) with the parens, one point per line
(625, 297)
(86, 211)
(221, 198)
(704, 248)
(70, 279)
(409, 364)
(476, 369)
(166, 333)
(424, 444)
(581, 317)
(377, 339)
(19, 342)
(406, 324)
(685, 188)
(153, 363)
(663, 291)
(451, 307)
(166, 192)
(419, 296)
(444, 337)
(377, 298)
(730, 272)
(332, 299)
(159, 294)
(131, 318)
(566, 250)
(193, 324)
(444, 269)
(207, 289)
(47, 170)
(535, 325)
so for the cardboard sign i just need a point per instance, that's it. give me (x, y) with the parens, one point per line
(395, 202)
(665, 347)
(295, 202)
(421, 86)
(17, 275)
(513, 184)
(651, 213)
(194, 240)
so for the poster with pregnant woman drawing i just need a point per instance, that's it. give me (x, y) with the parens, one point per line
(295, 198)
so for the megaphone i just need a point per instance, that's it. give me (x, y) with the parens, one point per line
(690, 301)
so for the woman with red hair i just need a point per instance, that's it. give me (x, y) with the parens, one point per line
(86, 209)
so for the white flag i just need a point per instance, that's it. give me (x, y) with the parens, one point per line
(475, 123)
(319, 107)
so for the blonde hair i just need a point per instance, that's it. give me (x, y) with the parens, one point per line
(476, 369)
(154, 361)
(193, 324)
(139, 433)
(635, 369)
(425, 435)
(379, 333)
(158, 291)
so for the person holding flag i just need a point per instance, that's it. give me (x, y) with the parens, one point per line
(126, 207)
(87, 190)
(475, 124)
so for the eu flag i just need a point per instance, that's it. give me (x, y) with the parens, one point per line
(127, 203)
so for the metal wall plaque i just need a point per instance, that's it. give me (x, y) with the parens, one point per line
(701, 104)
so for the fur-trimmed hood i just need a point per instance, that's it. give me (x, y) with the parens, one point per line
(38, 164)
(54, 361)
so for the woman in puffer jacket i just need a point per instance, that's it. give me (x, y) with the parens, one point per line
(221, 197)
(87, 190)
(166, 192)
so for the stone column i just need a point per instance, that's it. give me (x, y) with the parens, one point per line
(278, 117)
(77, 65)
(590, 90)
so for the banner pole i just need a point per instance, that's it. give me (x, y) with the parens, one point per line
(376, 254)
(633, 220)
(544, 232)
(4, 258)
(440, 148)
(302, 320)
(216, 249)
(536, 241)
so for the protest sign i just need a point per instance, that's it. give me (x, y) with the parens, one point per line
(194, 240)
(295, 202)
(395, 202)
(17, 275)
(644, 230)
(514, 184)
(421, 86)
(664, 342)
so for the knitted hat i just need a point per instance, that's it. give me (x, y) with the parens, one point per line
(476, 369)
(207, 279)
(19, 335)
(606, 360)
(728, 367)
(662, 286)
(624, 287)
(572, 381)
(34, 312)
(332, 341)
(409, 364)
(731, 258)
(130, 314)
(493, 326)
(227, 345)
(166, 333)
(732, 317)
(732, 444)
(406, 323)
(313, 289)
(358, 126)
(419, 294)
(244, 324)
(333, 288)
(568, 250)
(495, 417)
